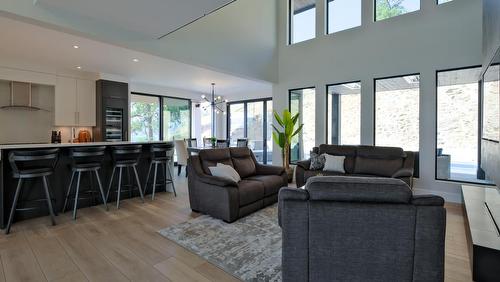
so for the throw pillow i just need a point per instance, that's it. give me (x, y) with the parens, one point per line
(334, 163)
(225, 171)
(317, 161)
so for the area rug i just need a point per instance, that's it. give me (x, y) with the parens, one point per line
(249, 249)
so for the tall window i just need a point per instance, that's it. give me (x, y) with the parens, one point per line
(145, 117)
(344, 113)
(176, 119)
(269, 130)
(491, 103)
(385, 9)
(302, 24)
(303, 101)
(343, 14)
(251, 120)
(206, 120)
(155, 117)
(397, 112)
(457, 144)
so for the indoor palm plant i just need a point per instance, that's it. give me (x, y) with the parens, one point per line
(283, 136)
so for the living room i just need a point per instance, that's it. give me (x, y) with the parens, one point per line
(264, 140)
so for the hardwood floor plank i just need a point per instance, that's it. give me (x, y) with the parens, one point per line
(87, 257)
(2, 276)
(53, 259)
(120, 255)
(214, 273)
(177, 271)
(19, 262)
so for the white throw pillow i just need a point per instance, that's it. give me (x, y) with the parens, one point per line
(225, 171)
(334, 163)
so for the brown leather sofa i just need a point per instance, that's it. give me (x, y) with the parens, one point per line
(226, 199)
(366, 161)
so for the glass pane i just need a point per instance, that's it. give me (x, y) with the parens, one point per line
(390, 8)
(176, 119)
(236, 122)
(303, 20)
(444, 1)
(457, 125)
(343, 14)
(145, 118)
(269, 132)
(255, 129)
(491, 104)
(397, 112)
(344, 113)
(303, 101)
(206, 120)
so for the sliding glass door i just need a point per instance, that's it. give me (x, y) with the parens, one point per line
(176, 119)
(251, 120)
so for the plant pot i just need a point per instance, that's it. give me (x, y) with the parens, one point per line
(289, 172)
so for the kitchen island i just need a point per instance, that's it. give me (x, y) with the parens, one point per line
(59, 181)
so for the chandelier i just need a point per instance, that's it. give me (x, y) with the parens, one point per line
(214, 103)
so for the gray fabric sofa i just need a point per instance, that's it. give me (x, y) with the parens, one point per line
(363, 161)
(226, 199)
(361, 229)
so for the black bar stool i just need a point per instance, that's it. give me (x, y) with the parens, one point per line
(161, 154)
(30, 165)
(125, 157)
(85, 159)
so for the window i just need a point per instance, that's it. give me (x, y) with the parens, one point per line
(149, 123)
(251, 120)
(397, 112)
(145, 117)
(206, 120)
(457, 144)
(176, 119)
(302, 25)
(491, 103)
(303, 101)
(385, 9)
(443, 1)
(343, 14)
(344, 113)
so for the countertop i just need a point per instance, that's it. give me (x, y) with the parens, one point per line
(65, 145)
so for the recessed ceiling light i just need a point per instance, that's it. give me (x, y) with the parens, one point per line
(78, 67)
(76, 46)
(135, 60)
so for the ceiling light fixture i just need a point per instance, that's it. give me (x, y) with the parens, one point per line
(78, 67)
(135, 60)
(214, 103)
(76, 46)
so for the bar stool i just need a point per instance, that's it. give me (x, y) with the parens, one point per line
(161, 154)
(30, 165)
(125, 157)
(85, 159)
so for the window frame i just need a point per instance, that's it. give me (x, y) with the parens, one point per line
(480, 90)
(289, 108)
(326, 107)
(290, 23)
(375, 104)
(245, 103)
(375, 11)
(161, 100)
(327, 21)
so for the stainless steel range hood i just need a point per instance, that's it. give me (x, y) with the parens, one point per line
(20, 97)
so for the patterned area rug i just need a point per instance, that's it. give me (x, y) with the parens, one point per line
(249, 249)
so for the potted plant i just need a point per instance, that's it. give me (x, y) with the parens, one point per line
(213, 140)
(283, 136)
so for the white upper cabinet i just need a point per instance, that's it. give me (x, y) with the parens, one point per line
(85, 107)
(75, 102)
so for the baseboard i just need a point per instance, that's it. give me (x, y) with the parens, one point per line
(448, 197)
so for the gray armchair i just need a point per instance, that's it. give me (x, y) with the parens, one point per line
(361, 229)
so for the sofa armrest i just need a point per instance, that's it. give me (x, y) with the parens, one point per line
(289, 194)
(305, 164)
(269, 169)
(403, 172)
(427, 200)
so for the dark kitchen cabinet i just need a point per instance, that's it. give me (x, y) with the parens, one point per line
(112, 111)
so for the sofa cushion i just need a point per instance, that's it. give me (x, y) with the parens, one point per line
(250, 191)
(272, 183)
(243, 161)
(339, 150)
(210, 157)
(317, 161)
(380, 161)
(376, 152)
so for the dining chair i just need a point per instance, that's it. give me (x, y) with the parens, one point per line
(182, 155)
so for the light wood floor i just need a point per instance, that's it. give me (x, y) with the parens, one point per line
(123, 245)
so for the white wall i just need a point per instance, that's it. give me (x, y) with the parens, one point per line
(434, 38)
